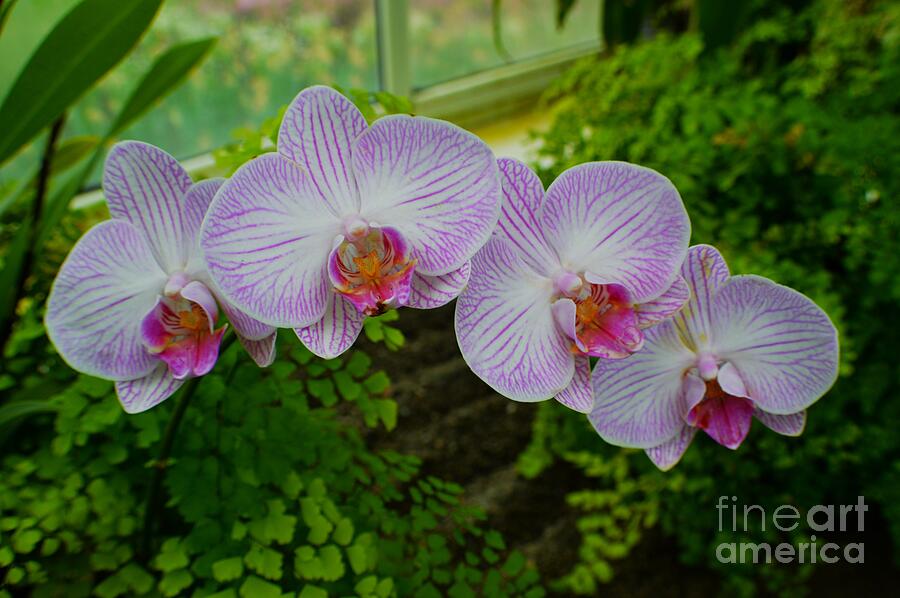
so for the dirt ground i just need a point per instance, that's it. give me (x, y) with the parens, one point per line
(464, 432)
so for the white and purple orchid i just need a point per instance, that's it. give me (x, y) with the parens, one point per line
(347, 220)
(133, 303)
(743, 346)
(575, 272)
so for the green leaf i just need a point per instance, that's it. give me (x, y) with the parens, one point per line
(378, 382)
(495, 540)
(24, 541)
(343, 532)
(359, 364)
(387, 411)
(174, 582)
(358, 555)
(384, 588)
(313, 592)
(68, 63)
(228, 569)
(137, 578)
(5, 9)
(366, 585)
(265, 561)
(27, 25)
(255, 587)
(306, 564)
(72, 151)
(276, 526)
(332, 563)
(514, 564)
(166, 73)
(347, 386)
(172, 556)
(14, 410)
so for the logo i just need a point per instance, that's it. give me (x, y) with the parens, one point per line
(788, 518)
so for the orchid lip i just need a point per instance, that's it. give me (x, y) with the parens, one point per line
(181, 331)
(599, 319)
(724, 417)
(373, 271)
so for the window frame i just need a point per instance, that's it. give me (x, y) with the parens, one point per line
(478, 98)
(469, 101)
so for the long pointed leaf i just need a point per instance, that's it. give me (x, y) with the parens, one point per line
(165, 74)
(18, 409)
(5, 9)
(85, 44)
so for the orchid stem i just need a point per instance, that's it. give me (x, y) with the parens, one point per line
(37, 209)
(154, 505)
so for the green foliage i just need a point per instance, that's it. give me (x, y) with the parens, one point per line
(268, 492)
(786, 150)
(64, 66)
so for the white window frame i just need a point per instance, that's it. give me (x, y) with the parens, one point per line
(470, 100)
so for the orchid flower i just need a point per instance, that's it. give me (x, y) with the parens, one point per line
(345, 220)
(133, 303)
(575, 272)
(743, 346)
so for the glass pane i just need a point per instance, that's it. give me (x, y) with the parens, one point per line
(268, 50)
(453, 38)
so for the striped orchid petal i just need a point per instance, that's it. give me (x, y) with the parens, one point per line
(336, 331)
(578, 395)
(148, 391)
(641, 401)
(244, 325)
(668, 454)
(106, 286)
(318, 132)
(519, 221)
(195, 205)
(665, 306)
(429, 292)
(506, 330)
(145, 186)
(262, 351)
(434, 182)
(781, 344)
(618, 223)
(791, 424)
(704, 271)
(266, 238)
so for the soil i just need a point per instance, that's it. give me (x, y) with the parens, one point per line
(466, 433)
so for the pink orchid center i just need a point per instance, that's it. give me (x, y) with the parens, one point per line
(724, 417)
(181, 331)
(605, 322)
(372, 268)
